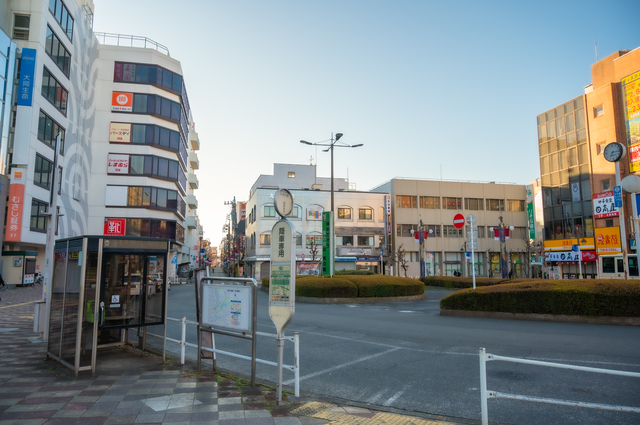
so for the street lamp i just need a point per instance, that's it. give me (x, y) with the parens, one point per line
(422, 237)
(333, 144)
(503, 234)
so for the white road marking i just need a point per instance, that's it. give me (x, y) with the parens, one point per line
(395, 396)
(331, 369)
(375, 398)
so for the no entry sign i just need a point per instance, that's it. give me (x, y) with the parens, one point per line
(458, 221)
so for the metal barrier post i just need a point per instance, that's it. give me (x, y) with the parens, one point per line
(296, 362)
(184, 339)
(483, 387)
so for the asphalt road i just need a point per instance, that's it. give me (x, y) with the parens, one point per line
(405, 355)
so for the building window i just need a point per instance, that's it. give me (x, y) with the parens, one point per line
(435, 230)
(149, 134)
(61, 13)
(598, 111)
(59, 180)
(600, 147)
(404, 230)
(515, 205)
(155, 198)
(54, 92)
(138, 73)
(21, 27)
(292, 174)
(42, 174)
(405, 201)
(452, 203)
(314, 238)
(474, 204)
(160, 107)
(48, 130)
(365, 240)
(296, 212)
(269, 211)
(449, 231)
(495, 204)
(430, 202)
(480, 229)
(365, 214)
(154, 229)
(298, 239)
(344, 240)
(344, 213)
(38, 221)
(56, 50)
(153, 166)
(606, 184)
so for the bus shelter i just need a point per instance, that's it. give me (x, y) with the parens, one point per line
(101, 288)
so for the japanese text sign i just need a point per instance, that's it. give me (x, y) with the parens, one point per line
(604, 205)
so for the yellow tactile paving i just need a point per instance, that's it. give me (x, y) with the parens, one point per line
(335, 416)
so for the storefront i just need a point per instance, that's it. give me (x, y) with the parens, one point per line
(566, 258)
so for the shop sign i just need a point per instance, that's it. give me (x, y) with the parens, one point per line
(122, 102)
(608, 240)
(15, 206)
(27, 77)
(118, 164)
(604, 205)
(589, 256)
(630, 88)
(562, 256)
(114, 227)
(314, 213)
(120, 132)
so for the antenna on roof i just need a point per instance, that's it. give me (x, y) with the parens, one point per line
(595, 41)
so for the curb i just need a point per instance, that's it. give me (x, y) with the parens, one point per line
(600, 320)
(312, 300)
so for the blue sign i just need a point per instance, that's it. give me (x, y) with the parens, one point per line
(174, 260)
(27, 77)
(617, 196)
(575, 248)
(633, 244)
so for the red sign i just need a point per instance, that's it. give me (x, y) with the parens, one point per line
(15, 205)
(589, 255)
(458, 221)
(114, 227)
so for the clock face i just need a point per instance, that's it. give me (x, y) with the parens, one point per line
(613, 152)
(283, 202)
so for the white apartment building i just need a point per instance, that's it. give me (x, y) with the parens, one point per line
(359, 220)
(435, 203)
(126, 157)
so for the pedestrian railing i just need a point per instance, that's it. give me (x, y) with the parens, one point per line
(182, 342)
(486, 394)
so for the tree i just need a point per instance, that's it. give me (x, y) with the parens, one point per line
(313, 249)
(402, 261)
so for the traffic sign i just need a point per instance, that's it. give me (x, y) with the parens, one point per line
(472, 220)
(617, 196)
(458, 221)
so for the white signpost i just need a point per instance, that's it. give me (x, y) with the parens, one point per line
(282, 281)
(473, 241)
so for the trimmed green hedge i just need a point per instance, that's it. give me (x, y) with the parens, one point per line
(355, 286)
(619, 298)
(354, 272)
(464, 282)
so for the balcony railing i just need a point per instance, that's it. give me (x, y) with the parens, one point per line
(130, 41)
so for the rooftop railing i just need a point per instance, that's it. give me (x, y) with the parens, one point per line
(130, 41)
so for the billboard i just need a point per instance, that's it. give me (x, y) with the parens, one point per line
(314, 213)
(604, 205)
(15, 206)
(114, 227)
(120, 132)
(27, 77)
(631, 99)
(122, 102)
(118, 164)
(608, 240)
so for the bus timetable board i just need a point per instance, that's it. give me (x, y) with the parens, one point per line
(227, 306)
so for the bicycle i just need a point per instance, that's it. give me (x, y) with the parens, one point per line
(3, 285)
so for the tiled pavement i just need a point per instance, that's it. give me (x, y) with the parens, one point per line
(36, 391)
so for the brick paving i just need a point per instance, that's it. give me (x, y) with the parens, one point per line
(36, 391)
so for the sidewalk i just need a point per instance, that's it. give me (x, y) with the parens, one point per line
(131, 388)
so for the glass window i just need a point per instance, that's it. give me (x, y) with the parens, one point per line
(515, 205)
(140, 103)
(269, 211)
(473, 204)
(265, 239)
(344, 213)
(48, 130)
(42, 174)
(365, 214)
(38, 222)
(136, 164)
(21, 27)
(404, 230)
(365, 241)
(452, 203)
(344, 240)
(430, 202)
(139, 133)
(449, 231)
(495, 204)
(405, 201)
(570, 124)
(580, 121)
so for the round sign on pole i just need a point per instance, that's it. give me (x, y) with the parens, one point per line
(458, 221)
(472, 219)
(302, 257)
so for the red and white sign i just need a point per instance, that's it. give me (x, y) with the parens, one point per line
(302, 257)
(243, 211)
(114, 227)
(604, 205)
(496, 233)
(458, 221)
(15, 206)
(589, 256)
(118, 164)
(122, 102)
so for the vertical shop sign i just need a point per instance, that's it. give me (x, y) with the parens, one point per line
(327, 243)
(27, 74)
(631, 99)
(15, 205)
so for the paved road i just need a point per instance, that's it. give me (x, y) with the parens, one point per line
(405, 355)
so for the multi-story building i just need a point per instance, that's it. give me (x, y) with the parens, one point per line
(103, 132)
(578, 182)
(434, 203)
(359, 220)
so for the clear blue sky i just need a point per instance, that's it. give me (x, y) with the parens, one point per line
(445, 89)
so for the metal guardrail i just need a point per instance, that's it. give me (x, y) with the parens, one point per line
(486, 394)
(295, 368)
(131, 41)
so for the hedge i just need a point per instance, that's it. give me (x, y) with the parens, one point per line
(464, 282)
(354, 272)
(354, 286)
(620, 298)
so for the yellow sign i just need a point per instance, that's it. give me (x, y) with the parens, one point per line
(567, 244)
(608, 240)
(120, 132)
(631, 93)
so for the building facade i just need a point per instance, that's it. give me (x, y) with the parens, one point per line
(435, 203)
(583, 228)
(103, 141)
(359, 221)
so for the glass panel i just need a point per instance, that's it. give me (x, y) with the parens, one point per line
(560, 127)
(544, 148)
(568, 107)
(544, 165)
(122, 292)
(57, 299)
(580, 121)
(553, 162)
(90, 313)
(156, 277)
(551, 129)
(542, 133)
(571, 126)
(583, 154)
(71, 304)
(572, 139)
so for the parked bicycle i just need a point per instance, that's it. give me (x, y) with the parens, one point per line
(39, 278)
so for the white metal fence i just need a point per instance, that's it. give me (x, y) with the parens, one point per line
(295, 368)
(486, 394)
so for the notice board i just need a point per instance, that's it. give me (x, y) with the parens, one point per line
(227, 306)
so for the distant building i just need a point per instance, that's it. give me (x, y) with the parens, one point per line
(578, 182)
(435, 203)
(359, 220)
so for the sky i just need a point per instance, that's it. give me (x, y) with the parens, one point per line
(432, 89)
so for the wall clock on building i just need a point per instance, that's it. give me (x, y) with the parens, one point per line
(283, 202)
(613, 152)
